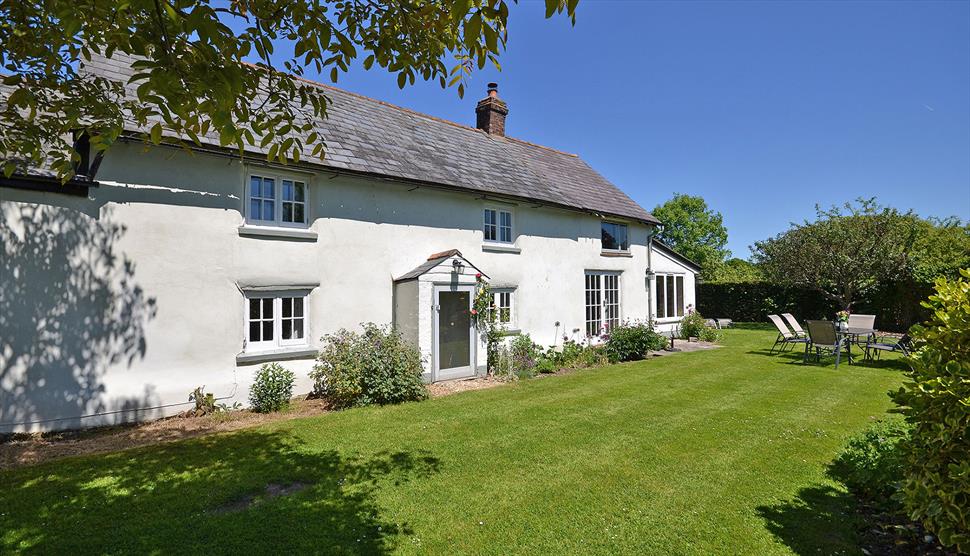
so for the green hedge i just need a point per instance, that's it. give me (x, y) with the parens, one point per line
(896, 305)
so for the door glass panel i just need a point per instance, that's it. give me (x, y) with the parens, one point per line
(454, 324)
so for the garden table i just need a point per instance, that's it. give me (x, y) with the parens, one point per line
(853, 334)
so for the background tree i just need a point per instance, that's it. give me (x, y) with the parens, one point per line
(845, 253)
(190, 79)
(739, 270)
(695, 231)
(941, 249)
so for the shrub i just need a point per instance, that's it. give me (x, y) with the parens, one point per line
(711, 334)
(692, 325)
(632, 341)
(205, 403)
(936, 401)
(871, 464)
(272, 388)
(518, 359)
(572, 355)
(376, 366)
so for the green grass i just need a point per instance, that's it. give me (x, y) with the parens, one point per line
(721, 451)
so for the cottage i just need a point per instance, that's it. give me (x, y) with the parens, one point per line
(169, 270)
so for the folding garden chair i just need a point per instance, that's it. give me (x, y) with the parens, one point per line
(793, 323)
(785, 336)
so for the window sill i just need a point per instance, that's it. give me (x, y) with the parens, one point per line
(245, 358)
(500, 248)
(301, 234)
(611, 253)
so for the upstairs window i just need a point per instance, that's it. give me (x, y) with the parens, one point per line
(275, 320)
(498, 225)
(503, 300)
(276, 201)
(615, 237)
(670, 296)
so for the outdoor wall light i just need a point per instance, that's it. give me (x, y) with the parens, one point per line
(456, 266)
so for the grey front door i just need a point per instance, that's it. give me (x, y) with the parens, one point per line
(454, 333)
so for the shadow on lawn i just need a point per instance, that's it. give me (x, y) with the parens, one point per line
(797, 357)
(214, 494)
(819, 520)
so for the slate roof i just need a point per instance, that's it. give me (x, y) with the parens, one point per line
(368, 136)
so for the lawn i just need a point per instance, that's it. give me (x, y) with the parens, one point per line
(720, 451)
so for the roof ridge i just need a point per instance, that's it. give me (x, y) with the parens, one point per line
(416, 113)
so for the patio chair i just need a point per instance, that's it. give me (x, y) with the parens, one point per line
(862, 321)
(823, 337)
(876, 346)
(793, 323)
(785, 336)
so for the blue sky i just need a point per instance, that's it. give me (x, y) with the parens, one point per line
(762, 108)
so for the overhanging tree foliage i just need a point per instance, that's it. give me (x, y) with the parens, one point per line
(191, 80)
(846, 252)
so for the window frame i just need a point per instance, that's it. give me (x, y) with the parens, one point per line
(511, 291)
(277, 343)
(615, 223)
(279, 178)
(498, 210)
(604, 304)
(674, 286)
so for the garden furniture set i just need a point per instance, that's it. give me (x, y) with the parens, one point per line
(835, 338)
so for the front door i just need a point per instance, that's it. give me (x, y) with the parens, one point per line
(454, 332)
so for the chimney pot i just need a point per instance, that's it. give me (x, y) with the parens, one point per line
(491, 112)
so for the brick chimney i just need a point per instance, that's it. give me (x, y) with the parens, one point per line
(491, 112)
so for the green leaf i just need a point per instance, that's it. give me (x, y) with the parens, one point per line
(156, 133)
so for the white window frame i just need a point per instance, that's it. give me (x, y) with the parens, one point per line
(277, 343)
(278, 178)
(498, 210)
(670, 289)
(496, 293)
(602, 277)
(615, 223)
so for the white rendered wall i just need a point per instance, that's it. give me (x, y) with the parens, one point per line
(178, 216)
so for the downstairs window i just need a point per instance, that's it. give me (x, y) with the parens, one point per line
(276, 320)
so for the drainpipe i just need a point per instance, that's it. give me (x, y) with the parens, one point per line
(650, 274)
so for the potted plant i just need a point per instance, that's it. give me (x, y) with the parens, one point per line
(842, 319)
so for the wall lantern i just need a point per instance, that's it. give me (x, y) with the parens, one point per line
(456, 265)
